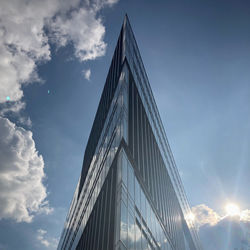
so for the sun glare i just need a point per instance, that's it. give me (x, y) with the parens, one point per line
(232, 209)
(190, 217)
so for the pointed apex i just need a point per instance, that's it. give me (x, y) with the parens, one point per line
(125, 20)
(125, 17)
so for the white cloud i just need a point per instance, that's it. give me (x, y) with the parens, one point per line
(99, 4)
(205, 215)
(45, 240)
(14, 110)
(245, 215)
(13, 107)
(84, 30)
(26, 121)
(87, 74)
(24, 43)
(222, 231)
(23, 193)
(229, 233)
(40, 237)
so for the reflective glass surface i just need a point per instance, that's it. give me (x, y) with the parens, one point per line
(131, 52)
(150, 203)
(139, 226)
(115, 128)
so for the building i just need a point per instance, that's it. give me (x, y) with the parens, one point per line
(129, 195)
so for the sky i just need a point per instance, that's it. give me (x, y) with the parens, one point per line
(55, 56)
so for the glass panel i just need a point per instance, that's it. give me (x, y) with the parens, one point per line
(161, 238)
(143, 203)
(143, 242)
(119, 167)
(165, 244)
(124, 170)
(122, 247)
(153, 225)
(131, 233)
(124, 195)
(131, 182)
(125, 129)
(157, 236)
(124, 224)
(137, 195)
(148, 221)
(149, 213)
(137, 237)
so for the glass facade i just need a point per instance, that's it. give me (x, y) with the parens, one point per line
(114, 129)
(140, 227)
(129, 194)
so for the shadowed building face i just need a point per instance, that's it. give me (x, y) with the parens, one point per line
(129, 195)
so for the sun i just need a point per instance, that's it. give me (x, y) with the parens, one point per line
(232, 209)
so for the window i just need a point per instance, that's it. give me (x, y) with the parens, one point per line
(124, 170)
(143, 204)
(144, 242)
(137, 195)
(124, 224)
(131, 232)
(137, 237)
(131, 181)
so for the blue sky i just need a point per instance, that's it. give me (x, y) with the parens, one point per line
(55, 59)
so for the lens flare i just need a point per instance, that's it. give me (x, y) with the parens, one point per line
(190, 217)
(232, 209)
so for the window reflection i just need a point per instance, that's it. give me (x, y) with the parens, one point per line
(137, 237)
(124, 224)
(131, 232)
(124, 170)
(131, 182)
(137, 195)
(140, 228)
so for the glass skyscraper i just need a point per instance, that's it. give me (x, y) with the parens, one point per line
(129, 195)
